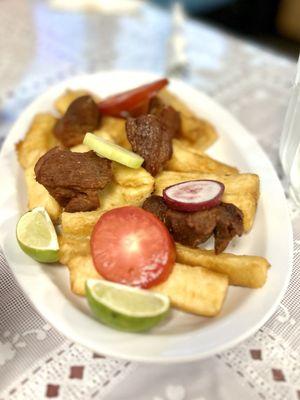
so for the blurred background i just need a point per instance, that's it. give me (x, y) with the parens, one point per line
(274, 23)
(220, 45)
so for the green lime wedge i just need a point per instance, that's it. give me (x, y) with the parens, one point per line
(112, 151)
(37, 237)
(124, 307)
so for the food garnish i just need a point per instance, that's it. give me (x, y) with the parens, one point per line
(133, 247)
(131, 101)
(126, 308)
(37, 237)
(112, 151)
(194, 195)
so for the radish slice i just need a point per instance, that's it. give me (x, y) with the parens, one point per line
(194, 195)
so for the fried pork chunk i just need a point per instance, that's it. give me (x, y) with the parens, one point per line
(168, 115)
(149, 138)
(192, 228)
(151, 135)
(73, 179)
(82, 116)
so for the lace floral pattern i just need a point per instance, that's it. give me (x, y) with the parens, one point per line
(10, 343)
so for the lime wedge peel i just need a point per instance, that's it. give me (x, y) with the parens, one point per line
(124, 307)
(37, 237)
(112, 151)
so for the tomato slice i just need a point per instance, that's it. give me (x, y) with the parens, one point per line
(122, 104)
(131, 246)
(140, 109)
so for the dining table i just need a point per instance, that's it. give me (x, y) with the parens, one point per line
(42, 44)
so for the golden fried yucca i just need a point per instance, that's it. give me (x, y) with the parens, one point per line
(71, 246)
(114, 130)
(81, 268)
(242, 190)
(79, 224)
(185, 160)
(196, 290)
(129, 187)
(38, 196)
(64, 100)
(247, 271)
(37, 141)
(194, 130)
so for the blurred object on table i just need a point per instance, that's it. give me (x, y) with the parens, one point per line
(273, 23)
(197, 6)
(104, 6)
(177, 63)
(289, 149)
(288, 20)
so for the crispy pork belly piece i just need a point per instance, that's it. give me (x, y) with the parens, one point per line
(150, 139)
(192, 228)
(73, 179)
(82, 116)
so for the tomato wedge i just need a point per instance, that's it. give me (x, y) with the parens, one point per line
(131, 101)
(131, 246)
(141, 109)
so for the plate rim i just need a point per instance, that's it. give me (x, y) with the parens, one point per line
(163, 359)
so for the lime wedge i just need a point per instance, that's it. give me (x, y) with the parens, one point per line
(124, 307)
(112, 151)
(37, 237)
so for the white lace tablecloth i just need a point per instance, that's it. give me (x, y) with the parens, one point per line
(40, 46)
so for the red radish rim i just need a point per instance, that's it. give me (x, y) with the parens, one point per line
(192, 207)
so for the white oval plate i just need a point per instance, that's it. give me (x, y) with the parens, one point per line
(183, 337)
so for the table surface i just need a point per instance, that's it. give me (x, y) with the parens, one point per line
(46, 46)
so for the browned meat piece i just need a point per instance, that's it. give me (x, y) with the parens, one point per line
(150, 139)
(191, 229)
(82, 116)
(224, 222)
(168, 115)
(157, 206)
(73, 179)
(151, 135)
(155, 105)
(230, 223)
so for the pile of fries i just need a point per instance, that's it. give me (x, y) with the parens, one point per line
(200, 279)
